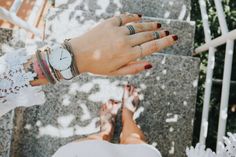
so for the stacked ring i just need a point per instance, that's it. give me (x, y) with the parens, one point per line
(156, 35)
(131, 29)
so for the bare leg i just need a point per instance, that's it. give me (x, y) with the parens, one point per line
(108, 114)
(131, 133)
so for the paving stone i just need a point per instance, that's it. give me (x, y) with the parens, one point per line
(171, 9)
(6, 131)
(166, 113)
(63, 24)
(5, 36)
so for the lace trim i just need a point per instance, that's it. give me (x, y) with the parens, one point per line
(15, 89)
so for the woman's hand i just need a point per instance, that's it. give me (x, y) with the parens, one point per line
(112, 48)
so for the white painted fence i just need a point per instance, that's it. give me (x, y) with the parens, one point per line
(228, 38)
(10, 15)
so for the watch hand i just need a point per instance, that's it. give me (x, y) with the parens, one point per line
(61, 56)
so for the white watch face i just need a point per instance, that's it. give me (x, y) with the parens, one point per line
(66, 74)
(59, 58)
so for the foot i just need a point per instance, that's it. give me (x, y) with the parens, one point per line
(130, 102)
(108, 114)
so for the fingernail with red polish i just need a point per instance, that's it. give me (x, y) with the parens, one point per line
(149, 66)
(158, 25)
(140, 15)
(175, 37)
(167, 33)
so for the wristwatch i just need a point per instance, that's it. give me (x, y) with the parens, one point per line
(61, 59)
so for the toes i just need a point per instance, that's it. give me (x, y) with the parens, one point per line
(115, 107)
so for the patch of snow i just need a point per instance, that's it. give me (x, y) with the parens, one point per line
(143, 86)
(167, 14)
(171, 129)
(183, 12)
(138, 112)
(172, 149)
(164, 71)
(65, 121)
(185, 103)
(86, 114)
(89, 129)
(195, 82)
(28, 127)
(38, 123)
(66, 100)
(154, 144)
(173, 119)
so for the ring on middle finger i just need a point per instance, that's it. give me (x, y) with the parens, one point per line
(156, 35)
(131, 29)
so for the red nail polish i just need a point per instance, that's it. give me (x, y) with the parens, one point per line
(167, 33)
(149, 66)
(158, 25)
(140, 15)
(175, 37)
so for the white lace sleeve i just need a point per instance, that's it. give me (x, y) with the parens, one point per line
(15, 89)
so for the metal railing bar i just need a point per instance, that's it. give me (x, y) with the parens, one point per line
(209, 74)
(219, 81)
(15, 6)
(216, 42)
(11, 17)
(226, 76)
(37, 6)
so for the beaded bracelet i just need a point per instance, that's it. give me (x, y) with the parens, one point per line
(44, 67)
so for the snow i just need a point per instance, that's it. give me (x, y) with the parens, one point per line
(65, 131)
(185, 103)
(65, 121)
(172, 119)
(171, 129)
(172, 149)
(66, 100)
(86, 114)
(138, 112)
(195, 82)
(164, 71)
(183, 12)
(163, 60)
(28, 126)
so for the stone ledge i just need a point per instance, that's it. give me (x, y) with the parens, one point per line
(171, 9)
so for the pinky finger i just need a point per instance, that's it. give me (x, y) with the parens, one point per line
(132, 68)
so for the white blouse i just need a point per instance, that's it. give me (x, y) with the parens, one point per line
(15, 89)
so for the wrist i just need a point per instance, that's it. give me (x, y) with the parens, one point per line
(80, 57)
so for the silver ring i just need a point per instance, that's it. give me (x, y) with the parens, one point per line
(141, 51)
(131, 29)
(120, 20)
(156, 35)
